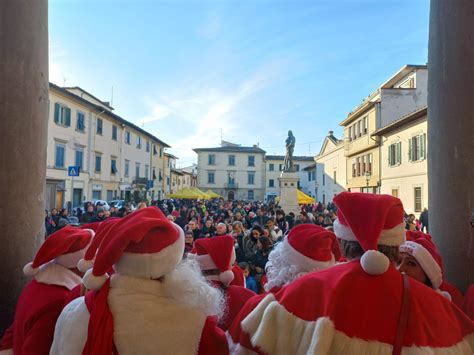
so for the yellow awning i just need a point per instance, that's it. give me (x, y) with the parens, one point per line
(303, 199)
(186, 193)
(200, 192)
(212, 194)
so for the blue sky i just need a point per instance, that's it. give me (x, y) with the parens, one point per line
(189, 70)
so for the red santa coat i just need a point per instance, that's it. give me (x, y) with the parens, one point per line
(343, 310)
(37, 310)
(137, 317)
(235, 297)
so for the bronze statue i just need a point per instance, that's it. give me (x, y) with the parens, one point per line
(290, 147)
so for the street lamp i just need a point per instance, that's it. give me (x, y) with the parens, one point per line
(368, 175)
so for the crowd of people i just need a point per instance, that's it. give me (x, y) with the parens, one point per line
(356, 276)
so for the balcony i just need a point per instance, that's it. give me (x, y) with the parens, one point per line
(231, 185)
(140, 181)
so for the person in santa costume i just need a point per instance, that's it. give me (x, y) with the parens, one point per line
(307, 248)
(215, 257)
(364, 305)
(42, 300)
(153, 302)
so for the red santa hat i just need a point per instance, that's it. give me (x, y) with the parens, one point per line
(64, 247)
(102, 229)
(311, 247)
(216, 253)
(144, 244)
(421, 247)
(371, 220)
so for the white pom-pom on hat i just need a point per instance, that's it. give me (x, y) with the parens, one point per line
(84, 265)
(226, 277)
(92, 282)
(374, 262)
(29, 270)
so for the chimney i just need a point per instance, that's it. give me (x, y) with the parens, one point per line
(331, 133)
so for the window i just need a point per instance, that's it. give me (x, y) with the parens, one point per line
(364, 125)
(271, 167)
(417, 147)
(154, 174)
(98, 163)
(251, 178)
(394, 154)
(114, 132)
(62, 115)
(297, 167)
(231, 179)
(147, 171)
(418, 202)
(280, 167)
(354, 168)
(309, 175)
(79, 158)
(80, 123)
(126, 168)
(147, 147)
(210, 178)
(251, 160)
(100, 124)
(139, 142)
(155, 151)
(313, 175)
(324, 198)
(395, 192)
(358, 166)
(97, 195)
(128, 137)
(161, 152)
(168, 181)
(250, 195)
(137, 170)
(113, 166)
(334, 176)
(232, 160)
(211, 159)
(271, 183)
(359, 130)
(350, 133)
(363, 165)
(60, 155)
(324, 179)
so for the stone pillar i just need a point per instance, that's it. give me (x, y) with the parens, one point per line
(451, 135)
(288, 193)
(23, 123)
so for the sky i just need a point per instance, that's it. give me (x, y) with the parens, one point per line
(193, 72)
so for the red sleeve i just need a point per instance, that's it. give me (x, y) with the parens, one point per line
(236, 297)
(7, 339)
(213, 339)
(40, 332)
(73, 294)
(239, 279)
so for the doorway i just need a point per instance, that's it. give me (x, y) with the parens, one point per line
(230, 196)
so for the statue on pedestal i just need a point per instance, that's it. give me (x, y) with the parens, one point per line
(290, 147)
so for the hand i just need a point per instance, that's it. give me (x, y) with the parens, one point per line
(259, 270)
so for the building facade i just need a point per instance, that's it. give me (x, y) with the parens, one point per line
(403, 93)
(113, 155)
(330, 169)
(404, 172)
(170, 183)
(232, 171)
(274, 166)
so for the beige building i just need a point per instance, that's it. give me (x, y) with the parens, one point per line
(403, 156)
(114, 156)
(170, 179)
(403, 93)
(232, 171)
(330, 169)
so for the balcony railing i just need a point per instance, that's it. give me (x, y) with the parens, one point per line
(140, 181)
(231, 185)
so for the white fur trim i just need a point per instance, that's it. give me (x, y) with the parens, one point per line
(92, 282)
(226, 277)
(84, 265)
(152, 265)
(6, 352)
(28, 270)
(55, 274)
(205, 262)
(294, 257)
(236, 348)
(374, 262)
(70, 260)
(276, 331)
(391, 237)
(444, 294)
(426, 261)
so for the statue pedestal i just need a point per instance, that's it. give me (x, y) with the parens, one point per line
(288, 195)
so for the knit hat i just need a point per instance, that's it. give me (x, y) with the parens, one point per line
(216, 253)
(144, 244)
(311, 247)
(65, 247)
(102, 229)
(425, 252)
(371, 220)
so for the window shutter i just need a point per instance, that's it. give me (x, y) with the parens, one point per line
(399, 152)
(390, 155)
(57, 108)
(410, 145)
(67, 121)
(423, 145)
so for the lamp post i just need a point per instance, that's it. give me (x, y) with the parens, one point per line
(368, 175)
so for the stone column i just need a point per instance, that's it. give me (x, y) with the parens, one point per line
(23, 124)
(451, 135)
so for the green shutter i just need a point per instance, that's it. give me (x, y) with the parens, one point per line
(67, 122)
(57, 108)
(399, 152)
(390, 155)
(410, 144)
(423, 145)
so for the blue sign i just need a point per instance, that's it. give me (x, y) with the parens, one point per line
(149, 184)
(73, 170)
